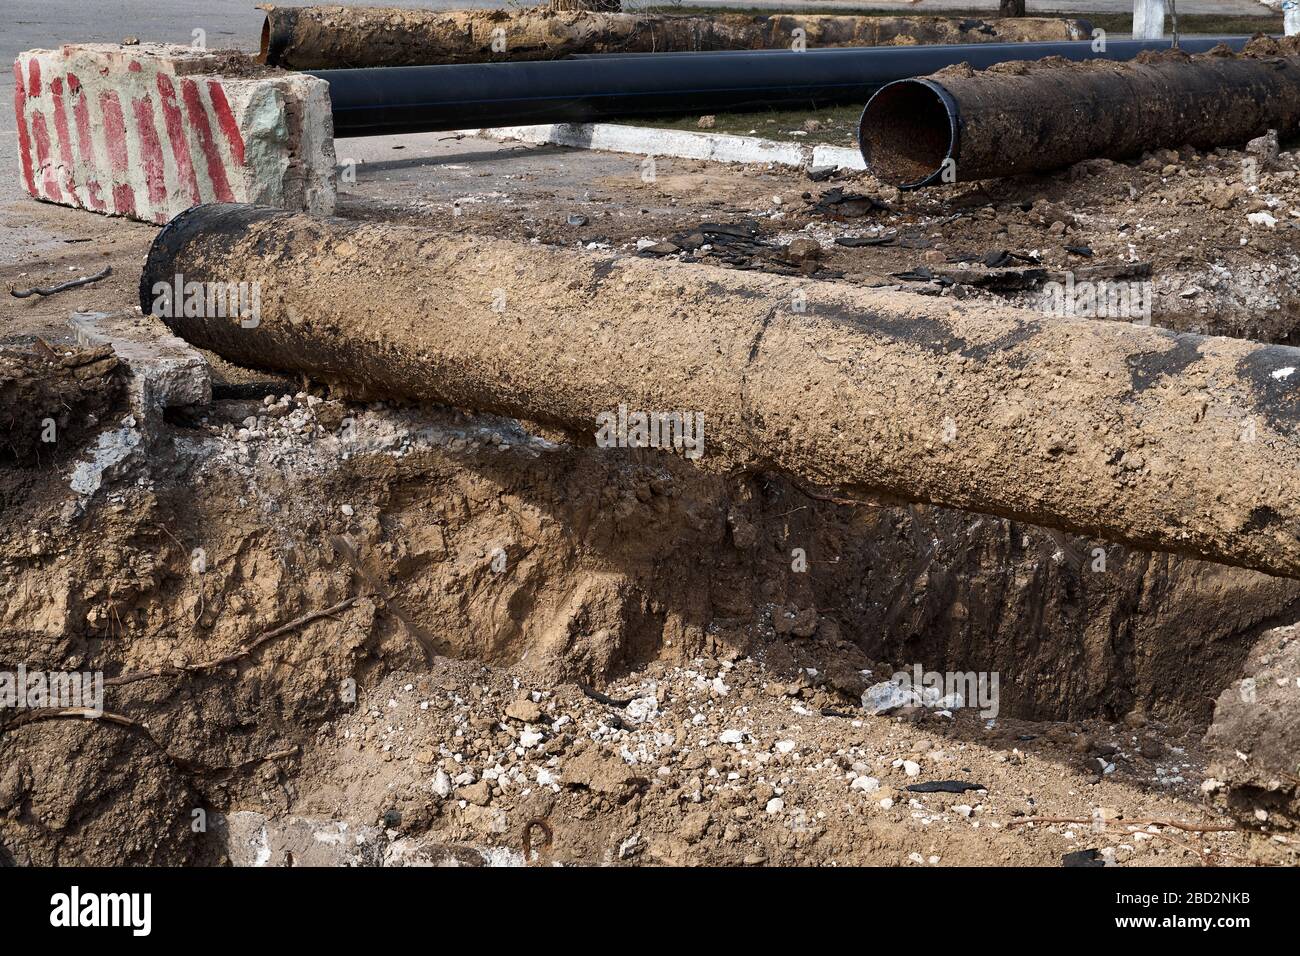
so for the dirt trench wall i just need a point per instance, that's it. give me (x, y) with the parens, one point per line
(483, 542)
(48, 396)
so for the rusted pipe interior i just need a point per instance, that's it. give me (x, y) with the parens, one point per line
(907, 131)
(276, 35)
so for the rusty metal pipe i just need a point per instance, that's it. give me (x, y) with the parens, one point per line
(1182, 443)
(343, 37)
(961, 125)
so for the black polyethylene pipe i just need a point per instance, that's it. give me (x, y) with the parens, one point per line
(960, 128)
(413, 99)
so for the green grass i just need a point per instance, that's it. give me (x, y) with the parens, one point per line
(839, 124)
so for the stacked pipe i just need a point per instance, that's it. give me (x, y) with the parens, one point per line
(379, 101)
(335, 37)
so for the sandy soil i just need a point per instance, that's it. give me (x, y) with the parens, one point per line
(438, 707)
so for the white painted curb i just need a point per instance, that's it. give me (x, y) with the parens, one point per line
(681, 144)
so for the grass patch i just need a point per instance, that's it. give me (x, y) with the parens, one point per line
(837, 126)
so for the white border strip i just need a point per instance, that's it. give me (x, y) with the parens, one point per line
(682, 144)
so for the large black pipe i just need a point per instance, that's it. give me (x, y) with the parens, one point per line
(984, 124)
(413, 99)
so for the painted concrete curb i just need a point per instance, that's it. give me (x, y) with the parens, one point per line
(148, 131)
(682, 144)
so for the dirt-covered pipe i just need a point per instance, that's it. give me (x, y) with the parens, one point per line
(341, 37)
(1163, 441)
(961, 124)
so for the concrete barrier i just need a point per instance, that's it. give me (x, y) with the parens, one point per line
(148, 131)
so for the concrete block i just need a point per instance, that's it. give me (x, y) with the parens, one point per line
(165, 370)
(148, 131)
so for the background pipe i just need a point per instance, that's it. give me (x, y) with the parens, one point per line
(1133, 434)
(374, 102)
(960, 125)
(341, 37)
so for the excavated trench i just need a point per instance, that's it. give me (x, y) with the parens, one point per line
(472, 538)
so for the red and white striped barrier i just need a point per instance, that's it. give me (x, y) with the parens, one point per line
(148, 131)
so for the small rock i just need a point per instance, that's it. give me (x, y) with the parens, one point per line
(478, 794)
(1265, 148)
(804, 248)
(694, 825)
(525, 711)
(441, 784)
(658, 249)
(707, 122)
(865, 784)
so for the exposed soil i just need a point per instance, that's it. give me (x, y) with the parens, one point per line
(609, 565)
(477, 570)
(52, 394)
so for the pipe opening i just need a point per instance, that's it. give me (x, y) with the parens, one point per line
(906, 133)
(266, 40)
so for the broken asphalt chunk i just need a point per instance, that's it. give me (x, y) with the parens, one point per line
(945, 786)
